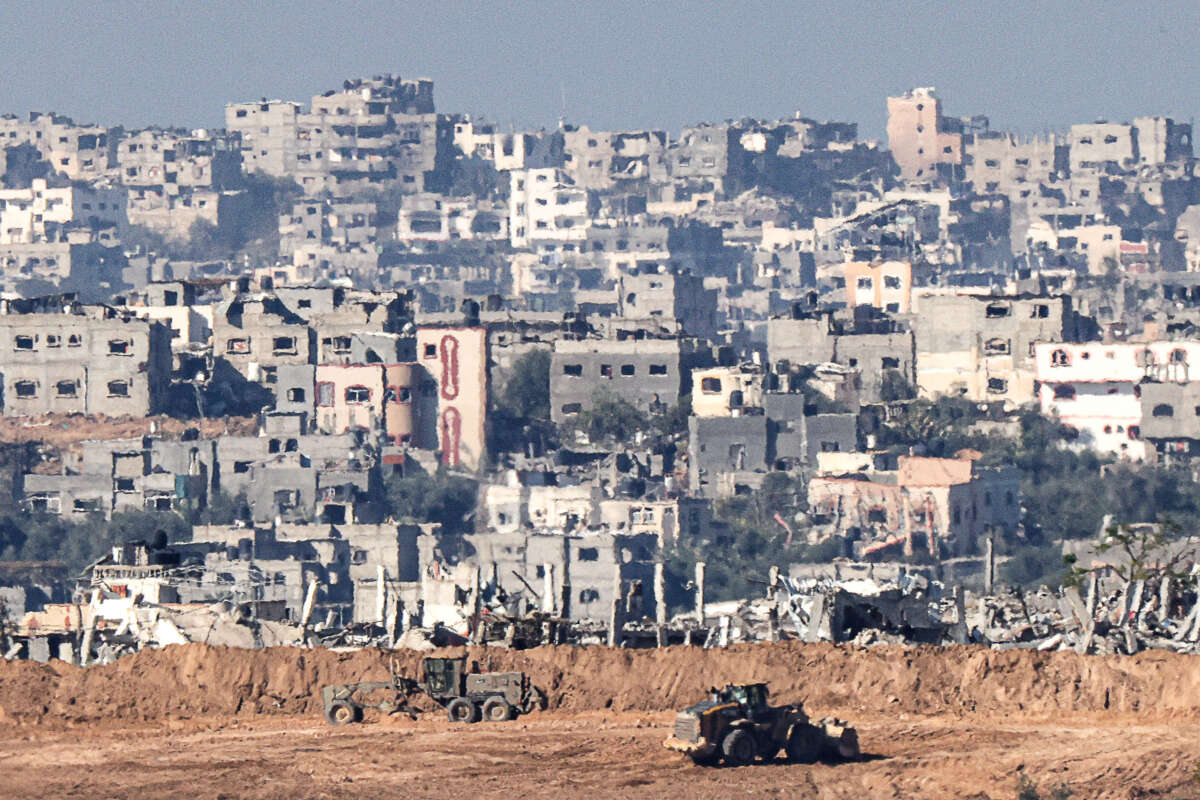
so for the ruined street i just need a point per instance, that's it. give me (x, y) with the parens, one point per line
(597, 754)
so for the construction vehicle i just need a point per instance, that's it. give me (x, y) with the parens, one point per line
(467, 696)
(737, 724)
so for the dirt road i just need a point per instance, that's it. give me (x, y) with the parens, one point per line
(591, 754)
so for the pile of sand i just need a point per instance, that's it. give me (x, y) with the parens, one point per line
(196, 680)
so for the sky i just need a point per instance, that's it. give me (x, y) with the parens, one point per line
(1031, 67)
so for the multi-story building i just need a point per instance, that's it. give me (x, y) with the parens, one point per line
(982, 346)
(58, 355)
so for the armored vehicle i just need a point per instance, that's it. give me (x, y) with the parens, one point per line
(737, 724)
(467, 696)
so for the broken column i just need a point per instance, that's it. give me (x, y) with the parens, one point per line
(660, 603)
(548, 605)
(614, 616)
(310, 598)
(380, 596)
(989, 567)
(700, 565)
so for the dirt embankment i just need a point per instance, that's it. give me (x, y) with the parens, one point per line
(196, 680)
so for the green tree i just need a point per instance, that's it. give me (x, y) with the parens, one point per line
(527, 392)
(449, 500)
(610, 418)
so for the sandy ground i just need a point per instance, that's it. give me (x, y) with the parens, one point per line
(592, 754)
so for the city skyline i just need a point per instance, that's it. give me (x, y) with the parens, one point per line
(527, 66)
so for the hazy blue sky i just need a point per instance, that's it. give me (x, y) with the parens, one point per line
(1029, 66)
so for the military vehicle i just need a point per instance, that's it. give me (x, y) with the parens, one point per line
(737, 724)
(467, 696)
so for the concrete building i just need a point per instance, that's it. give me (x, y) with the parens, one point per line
(65, 357)
(456, 361)
(546, 205)
(650, 373)
(886, 286)
(942, 506)
(49, 214)
(981, 346)
(919, 137)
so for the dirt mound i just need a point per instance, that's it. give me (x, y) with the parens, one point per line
(197, 680)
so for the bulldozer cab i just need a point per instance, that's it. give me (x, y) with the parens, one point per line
(444, 676)
(752, 699)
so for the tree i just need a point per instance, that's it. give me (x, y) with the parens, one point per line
(449, 500)
(527, 391)
(611, 418)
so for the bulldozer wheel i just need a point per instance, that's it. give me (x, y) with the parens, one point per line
(460, 709)
(497, 709)
(342, 713)
(804, 744)
(738, 748)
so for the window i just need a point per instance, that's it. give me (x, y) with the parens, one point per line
(66, 388)
(73, 340)
(339, 344)
(996, 310)
(237, 346)
(710, 385)
(357, 394)
(119, 347)
(889, 362)
(830, 447)
(997, 347)
(284, 344)
(295, 395)
(891, 282)
(997, 385)
(589, 554)
(1064, 391)
(241, 467)
(864, 283)
(118, 389)
(572, 408)
(125, 485)
(1178, 356)
(575, 370)
(1040, 311)
(1163, 410)
(877, 515)
(658, 369)
(25, 388)
(24, 342)
(325, 394)
(628, 370)
(273, 446)
(397, 394)
(1060, 358)
(430, 351)
(606, 371)
(53, 340)
(588, 595)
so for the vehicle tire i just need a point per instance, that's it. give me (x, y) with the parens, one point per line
(709, 760)
(804, 744)
(738, 748)
(342, 713)
(497, 709)
(460, 709)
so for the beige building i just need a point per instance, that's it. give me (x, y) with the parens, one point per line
(368, 397)
(886, 286)
(981, 346)
(919, 137)
(456, 361)
(726, 391)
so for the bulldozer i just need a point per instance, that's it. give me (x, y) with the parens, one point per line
(737, 724)
(467, 696)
